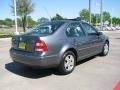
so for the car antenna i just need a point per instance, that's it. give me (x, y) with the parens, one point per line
(46, 10)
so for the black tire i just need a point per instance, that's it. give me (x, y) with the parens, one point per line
(104, 53)
(62, 68)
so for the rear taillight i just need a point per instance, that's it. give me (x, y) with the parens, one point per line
(41, 46)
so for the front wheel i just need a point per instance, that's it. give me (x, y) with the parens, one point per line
(68, 63)
(105, 49)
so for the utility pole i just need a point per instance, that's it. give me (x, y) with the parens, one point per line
(15, 12)
(89, 11)
(101, 11)
(97, 9)
(111, 21)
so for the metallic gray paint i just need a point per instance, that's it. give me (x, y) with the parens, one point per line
(57, 43)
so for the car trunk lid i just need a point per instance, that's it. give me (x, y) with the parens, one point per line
(25, 42)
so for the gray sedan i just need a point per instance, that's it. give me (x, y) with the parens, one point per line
(59, 44)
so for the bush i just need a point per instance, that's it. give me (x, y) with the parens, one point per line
(5, 36)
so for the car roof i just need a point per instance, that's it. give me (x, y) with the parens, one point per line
(68, 21)
(64, 21)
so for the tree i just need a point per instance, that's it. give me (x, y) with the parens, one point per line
(119, 21)
(8, 22)
(42, 20)
(2, 22)
(98, 17)
(30, 22)
(19, 22)
(84, 14)
(95, 19)
(24, 8)
(106, 16)
(57, 17)
(115, 21)
(8, 19)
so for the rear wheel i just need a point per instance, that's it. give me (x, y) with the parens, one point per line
(68, 63)
(105, 49)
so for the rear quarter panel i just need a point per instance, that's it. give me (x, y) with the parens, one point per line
(57, 43)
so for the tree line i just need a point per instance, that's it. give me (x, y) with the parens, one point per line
(30, 22)
(95, 17)
(26, 7)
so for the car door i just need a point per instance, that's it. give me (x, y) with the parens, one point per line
(78, 37)
(94, 40)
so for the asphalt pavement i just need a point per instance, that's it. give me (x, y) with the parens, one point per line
(96, 73)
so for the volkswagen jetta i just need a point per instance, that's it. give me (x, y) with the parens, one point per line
(59, 44)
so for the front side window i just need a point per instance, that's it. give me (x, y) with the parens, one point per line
(74, 30)
(89, 29)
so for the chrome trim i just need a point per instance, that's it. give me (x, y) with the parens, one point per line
(40, 57)
(50, 56)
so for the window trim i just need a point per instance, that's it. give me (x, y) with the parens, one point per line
(39, 25)
(91, 27)
(77, 31)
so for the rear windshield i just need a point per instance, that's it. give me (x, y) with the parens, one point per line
(45, 29)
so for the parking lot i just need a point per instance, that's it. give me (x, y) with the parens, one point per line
(96, 73)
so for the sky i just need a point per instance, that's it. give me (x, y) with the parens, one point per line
(66, 8)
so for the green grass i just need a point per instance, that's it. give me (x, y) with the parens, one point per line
(8, 31)
(4, 33)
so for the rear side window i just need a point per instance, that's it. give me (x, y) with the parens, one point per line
(45, 29)
(74, 30)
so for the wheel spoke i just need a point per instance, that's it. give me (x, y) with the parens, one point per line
(69, 67)
(72, 63)
(66, 64)
(67, 58)
(69, 62)
(106, 48)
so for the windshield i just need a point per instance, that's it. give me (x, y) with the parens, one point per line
(45, 28)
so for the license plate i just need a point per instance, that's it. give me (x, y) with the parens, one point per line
(22, 45)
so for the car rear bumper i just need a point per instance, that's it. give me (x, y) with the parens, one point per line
(33, 59)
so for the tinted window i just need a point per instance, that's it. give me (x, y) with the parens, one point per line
(45, 29)
(74, 30)
(88, 28)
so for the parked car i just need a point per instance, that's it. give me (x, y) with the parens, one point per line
(59, 44)
(98, 28)
(104, 28)
(108, 28)
(113, 28)
(117, 27)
